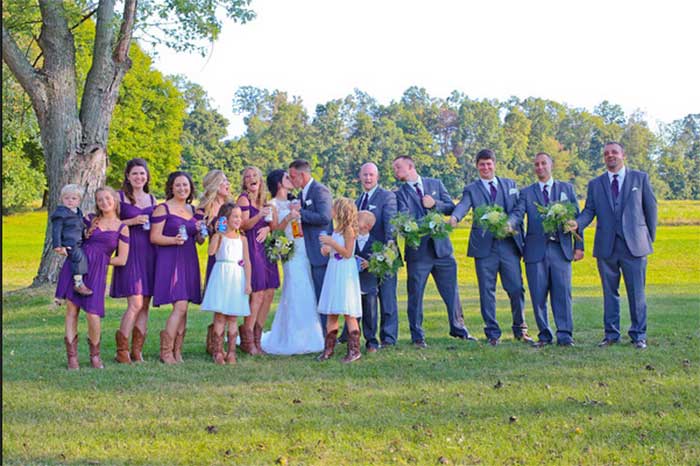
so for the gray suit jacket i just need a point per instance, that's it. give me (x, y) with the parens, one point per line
(536, 238)
(315, 217)
(474, 196)
(409, 203)
(639, 214)
(383, 205)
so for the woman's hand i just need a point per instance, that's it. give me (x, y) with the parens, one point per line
(262, 234)
(178, 240)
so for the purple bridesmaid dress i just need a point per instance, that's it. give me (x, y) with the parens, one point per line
(264, 274)
(98, 248)
(136, 277)
(177, 275)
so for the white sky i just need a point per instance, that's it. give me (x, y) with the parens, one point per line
(638, 54)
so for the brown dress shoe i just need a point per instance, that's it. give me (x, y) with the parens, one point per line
(81, 289)
(420, 344)
(541, 344)
(605, 343)
(494, 341)
(72, 352)
(122, 356)
(329, 346)
(640, 344)
(525, 337)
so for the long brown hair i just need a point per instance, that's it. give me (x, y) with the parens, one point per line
(126, 185)
(98, 212)
(171, 181)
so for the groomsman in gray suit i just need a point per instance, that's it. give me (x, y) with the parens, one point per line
(548, 256)
(624, 206)
(416, 196)
(382, 203)
(493, 256)
(316, 203)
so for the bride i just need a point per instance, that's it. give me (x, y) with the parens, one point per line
(296, 328)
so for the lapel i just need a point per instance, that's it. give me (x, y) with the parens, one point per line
(413, 195)
(626, 188)
(480, 187)
(605, 184)
(556, 192)
(538, 193)
(505, 193)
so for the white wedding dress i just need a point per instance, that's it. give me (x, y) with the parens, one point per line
(296, 328)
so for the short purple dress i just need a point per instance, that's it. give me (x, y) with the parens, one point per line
(211, 228)
(177, 267)
(264, 274)
(136, 277)
(98, 248)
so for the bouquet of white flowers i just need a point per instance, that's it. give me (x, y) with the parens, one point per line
(557, 214)
(435, 226)
(407, 227)
(278, 246)
(493, 219)
(385, 260)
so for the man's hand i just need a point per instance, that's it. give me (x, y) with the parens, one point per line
(453, 221)
(61, 251)
(578, 255)
(428, 201)
(571, 225)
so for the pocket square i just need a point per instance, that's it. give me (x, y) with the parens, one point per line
(309, 202)
(372, 206)
(513, 191)
(433, 194)
(563, 197)
(635, 189)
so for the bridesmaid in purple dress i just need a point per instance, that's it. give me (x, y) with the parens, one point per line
(174, 229)
(265, 276)
(216, 193)
(134, 281)
(105, 234)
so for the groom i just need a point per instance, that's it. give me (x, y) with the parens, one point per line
(315, 217)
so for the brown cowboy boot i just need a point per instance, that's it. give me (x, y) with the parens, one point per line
(210, 335)
(122, 356)
(353, 347)
(328, 346)
(217, 347)
(257, 336)
(247, 341)
(166, 348)
(231, 353)
(72, 352)
(137, 341)
(95, 360)
(177, 346)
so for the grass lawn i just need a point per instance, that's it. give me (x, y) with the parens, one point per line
(454, 403)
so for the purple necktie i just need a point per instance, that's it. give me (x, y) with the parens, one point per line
(545, 194)
(419, 191)
(492, 187)
(615, 187)
(365, 198)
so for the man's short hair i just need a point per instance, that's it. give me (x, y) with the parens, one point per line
(301, 165)
(544, 153)
(610, 143)
(407, 158)
(485, 154)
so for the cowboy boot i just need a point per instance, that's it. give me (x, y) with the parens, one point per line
(72, 352)
(257, 336)
(122, 356)
(95, 355)
(217, 348)
(353, 347)
(210, 335)
(231, 353)
(166, 348)
(328, 346)
(177, 346)
(247, 341)
(137, 341)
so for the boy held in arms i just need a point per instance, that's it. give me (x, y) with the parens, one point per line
(67, 231)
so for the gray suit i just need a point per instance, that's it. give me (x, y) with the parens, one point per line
(548, 261)
(493, 256)
(383, 205)
(432, 257)
(625, 231)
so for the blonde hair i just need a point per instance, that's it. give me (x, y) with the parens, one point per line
(99, 214)
(211, 184)
(260, 199)
(72, 189)
(345, 215)
(368, 216)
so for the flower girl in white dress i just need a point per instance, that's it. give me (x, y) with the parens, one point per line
(340, 294)
(296, 328)
(228, 286)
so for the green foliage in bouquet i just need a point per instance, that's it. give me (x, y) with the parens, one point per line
(278, 246)
(385, 260)
(557, 214)
(493, 219)
(435, 226)
(407, 227)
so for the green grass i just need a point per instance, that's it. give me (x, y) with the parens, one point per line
(579, 405)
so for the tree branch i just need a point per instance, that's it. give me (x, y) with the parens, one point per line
(121, 51)
(26, 75)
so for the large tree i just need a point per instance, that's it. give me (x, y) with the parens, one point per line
(74, 123)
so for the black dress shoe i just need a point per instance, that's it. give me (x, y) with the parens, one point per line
(420, 344)
(525, 337)
(640, 344)
(386, 345)
(493, 341)
(567, 343)
(464, 337)
(605, 342)
(541, 344)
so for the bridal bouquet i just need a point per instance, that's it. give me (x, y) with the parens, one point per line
(557, 214)
(407, 227)
(435, 226)
(278, 246)
(385, 260)
(493, 219)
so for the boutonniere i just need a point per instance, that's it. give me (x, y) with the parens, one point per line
(308, 202)
(372, 206)
(563, 197)
(635, 189)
